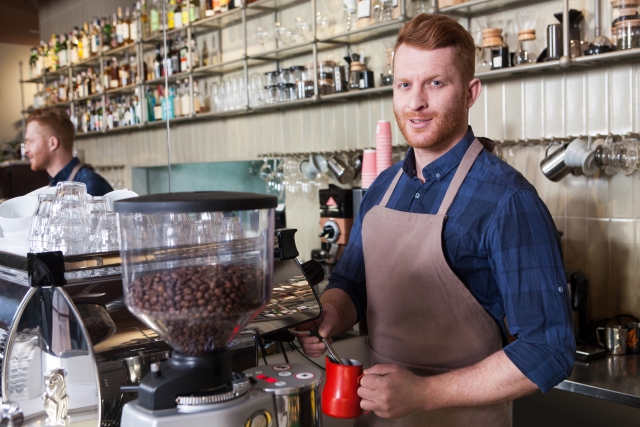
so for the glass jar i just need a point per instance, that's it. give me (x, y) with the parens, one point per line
(326, 86)
(297, 73)
(284, 76)
(623, 10)
(325, 69)
(271, 78)
(284, 94)
(304, 89)
(627, 34)
(272, 95)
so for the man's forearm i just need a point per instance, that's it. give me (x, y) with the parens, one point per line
(340, 303)
(495, 379)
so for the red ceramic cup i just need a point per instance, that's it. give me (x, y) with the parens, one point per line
(340, 394)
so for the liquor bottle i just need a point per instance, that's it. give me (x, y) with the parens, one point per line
(109, 115)
(174, 56)
(106, 34)
(216, 6)
(157, 64)
(154, 18)
(195, 58)
(196, 98)
(123, 73)
(91, 82)
(86, 116)
(170, 10)
(205, 54)
(183, 56)
(135, 103)
(99, 117)
(106, 75)
(55, 48)
(63, 58)
(134, 77)
(33, 63)
(81, 85)
(176, 97)
(177, 14)
(186, 99)
(144, 19)
(149, 107)
(75, 46)
(194, 10)
(114, 31)
(75, 89)
(120, 27)
(224, 6)
(208, 11)
(95, 37)
(134, 27)
(80, 45)
(86, 42)
(114, 81)
(63, 91)
(126, 27)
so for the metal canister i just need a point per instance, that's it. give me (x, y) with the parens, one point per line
(554, 41)
(553, 166)
(295, 389)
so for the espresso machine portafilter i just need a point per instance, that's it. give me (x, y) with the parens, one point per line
(72, 352)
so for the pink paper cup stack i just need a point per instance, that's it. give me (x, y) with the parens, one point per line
(383, 146)
(369, 170)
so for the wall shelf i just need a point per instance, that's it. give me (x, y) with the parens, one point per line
(476, 8)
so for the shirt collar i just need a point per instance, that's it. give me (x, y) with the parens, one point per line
(64, 174)
(440, 167)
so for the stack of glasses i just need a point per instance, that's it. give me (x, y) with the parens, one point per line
(73, 222)
(76, 223)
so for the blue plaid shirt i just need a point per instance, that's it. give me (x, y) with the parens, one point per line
(500, 240)
(96, 185)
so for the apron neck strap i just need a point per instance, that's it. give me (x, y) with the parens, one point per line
(463, 169)
(75, 170)
(392, 186)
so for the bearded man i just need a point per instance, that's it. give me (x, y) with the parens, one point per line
(450, 246)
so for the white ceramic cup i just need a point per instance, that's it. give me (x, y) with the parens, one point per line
(576, 153)
(16, 214)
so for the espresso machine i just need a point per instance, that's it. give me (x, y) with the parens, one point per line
(336, 221)
(77, 350)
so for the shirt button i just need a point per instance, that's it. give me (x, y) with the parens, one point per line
(438, 175)
(417, 195)
(560, 289)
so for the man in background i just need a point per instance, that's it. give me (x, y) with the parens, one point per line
(49, 147)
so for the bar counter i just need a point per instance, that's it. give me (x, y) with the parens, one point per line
(612, 378)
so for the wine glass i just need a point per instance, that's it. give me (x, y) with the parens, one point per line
(261, 36)
(280, 32)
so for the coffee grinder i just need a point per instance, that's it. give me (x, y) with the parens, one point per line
(336, 221)
(198, 296)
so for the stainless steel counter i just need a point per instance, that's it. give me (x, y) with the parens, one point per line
(613, 378)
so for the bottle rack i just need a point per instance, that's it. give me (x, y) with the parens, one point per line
(244, 13)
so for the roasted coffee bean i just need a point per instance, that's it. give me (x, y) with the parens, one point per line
(197, 309)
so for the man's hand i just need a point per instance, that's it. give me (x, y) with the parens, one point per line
(325, 325)
(391, 391)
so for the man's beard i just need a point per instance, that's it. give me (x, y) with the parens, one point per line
(444, 126)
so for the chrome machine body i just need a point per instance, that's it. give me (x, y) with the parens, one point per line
(71, 353)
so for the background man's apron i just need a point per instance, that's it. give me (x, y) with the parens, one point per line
(420, 315)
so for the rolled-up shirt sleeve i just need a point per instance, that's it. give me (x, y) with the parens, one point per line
(526, 259)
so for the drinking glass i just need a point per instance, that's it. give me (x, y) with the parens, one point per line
(231, 228)
(261, 36)
(210, 216)
(97, 203)
(141, 228)
(106, 237)
(303, 29)
(40, 222)
(68, 227)
(279, 33)
(70, 190)
(173, 235)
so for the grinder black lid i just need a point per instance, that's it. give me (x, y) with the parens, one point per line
(195, 201)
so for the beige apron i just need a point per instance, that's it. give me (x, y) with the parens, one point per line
(420, 315)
